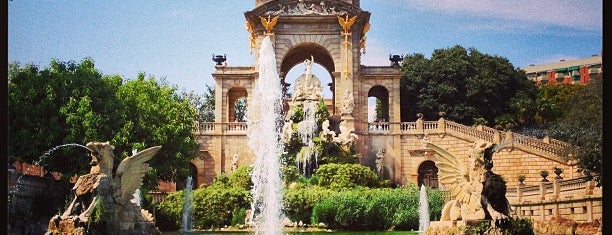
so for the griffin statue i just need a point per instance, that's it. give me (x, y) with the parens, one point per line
(477, 193)
(105, 196)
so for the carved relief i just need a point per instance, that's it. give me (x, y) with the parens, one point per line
(302, 8)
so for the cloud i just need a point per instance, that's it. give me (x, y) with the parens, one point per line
(582, 14)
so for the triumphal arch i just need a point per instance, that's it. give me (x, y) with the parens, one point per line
(333, 34)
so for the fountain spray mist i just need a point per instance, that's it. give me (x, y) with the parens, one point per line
(264, 119)
(423, 209)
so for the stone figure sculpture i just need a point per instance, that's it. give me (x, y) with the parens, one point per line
(477, 193)
(234, 161)
(380, 157)
(346, 135)
(287, 131)
(109, 193)
(307, 86)
(348, 103)
(325, 131)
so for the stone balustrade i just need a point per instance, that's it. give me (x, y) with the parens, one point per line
(158, 196)
(553, 149)
(577, 199)
(379, 127)
(216, 128)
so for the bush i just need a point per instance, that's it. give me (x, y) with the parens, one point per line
(373, 209)
(435, 198)
(213, 206)
(515, 226)
(168, 213)
(241, 178)
(238, 216)
(299, 201)
(345, 176)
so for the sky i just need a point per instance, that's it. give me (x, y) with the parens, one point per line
(175, 40)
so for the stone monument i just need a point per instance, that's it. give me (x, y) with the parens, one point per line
(477, 193)
(103, 198)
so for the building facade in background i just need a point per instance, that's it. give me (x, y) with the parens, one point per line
(578, 71)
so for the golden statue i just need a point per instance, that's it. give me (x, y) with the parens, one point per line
(249, 28)
(269, 23)
(346, 24)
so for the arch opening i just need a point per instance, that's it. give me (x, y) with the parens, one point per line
(182, 183)
(293, 66)
(378, 104)
(236, 102)
(428, 174)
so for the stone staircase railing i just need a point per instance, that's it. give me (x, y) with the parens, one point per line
(548, 147)
(556, 190)
(578, 199)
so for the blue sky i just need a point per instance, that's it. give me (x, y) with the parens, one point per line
(175, 40)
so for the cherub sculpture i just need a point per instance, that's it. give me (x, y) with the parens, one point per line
(477, 193)
(108, 192)
(346, 135)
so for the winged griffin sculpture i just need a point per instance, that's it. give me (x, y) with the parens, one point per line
(477, 193)
(104, 195)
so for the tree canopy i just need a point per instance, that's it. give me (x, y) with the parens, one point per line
(71, 102)
(465, 84)
(581, 124)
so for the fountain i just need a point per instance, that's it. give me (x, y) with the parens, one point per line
(24, 189)
(307, 93)
(103, 196)
(423, 209)
(478, 196)
(186, 224)
(264, 121)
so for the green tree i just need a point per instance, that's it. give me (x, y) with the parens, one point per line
(581, 124)
(463, 83)
(154, 114)
(207, 109)
(67, 102)
(379, 110)
(71, 102)
(240, 107)
(537, 115)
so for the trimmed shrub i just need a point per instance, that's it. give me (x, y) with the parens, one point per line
(168, 213)
(372, 209)
(238, 216)
(435, 198)
(299, 201)
(213, 206)
(346, 176)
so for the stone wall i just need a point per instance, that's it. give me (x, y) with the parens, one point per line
(32, 200)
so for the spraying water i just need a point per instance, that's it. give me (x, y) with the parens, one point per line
(265, 123)
(16, 196)
(186, 223)
(307, 129)
(50, 151)
(423, 209)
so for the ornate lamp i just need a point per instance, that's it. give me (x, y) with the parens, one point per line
(219, 59)
(395, 59)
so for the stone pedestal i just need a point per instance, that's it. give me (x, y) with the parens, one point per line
(349, 120)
